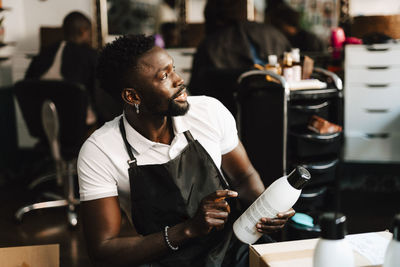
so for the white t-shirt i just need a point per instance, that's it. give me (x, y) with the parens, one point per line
(102, 162)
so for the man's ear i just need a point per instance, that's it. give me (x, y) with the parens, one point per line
(130, 96)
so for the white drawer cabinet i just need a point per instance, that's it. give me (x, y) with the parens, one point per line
(373, 77)
(372, 103)
(373, 148)
(380, 55)
(379, 97)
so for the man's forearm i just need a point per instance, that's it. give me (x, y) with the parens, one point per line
(249, 187)
(123, 251)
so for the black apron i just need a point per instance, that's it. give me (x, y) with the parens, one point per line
(170, 193)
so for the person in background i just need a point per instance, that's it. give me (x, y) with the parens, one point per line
(170, 34)
(72, 59)
(161, 162)
(231, 46)
(287, 20)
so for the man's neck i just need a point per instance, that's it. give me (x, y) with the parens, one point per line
(155, 128)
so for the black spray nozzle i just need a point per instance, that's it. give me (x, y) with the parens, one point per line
(299, 177)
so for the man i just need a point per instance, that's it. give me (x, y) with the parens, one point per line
(231, 46)
(72, 59)
(161, 163)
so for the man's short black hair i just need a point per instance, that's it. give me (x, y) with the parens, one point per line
(73, 23)
(117, 60)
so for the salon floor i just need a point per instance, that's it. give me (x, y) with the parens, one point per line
(369, 196)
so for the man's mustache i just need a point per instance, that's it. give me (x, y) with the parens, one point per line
(181, 88)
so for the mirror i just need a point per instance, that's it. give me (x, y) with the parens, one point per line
(182, 19)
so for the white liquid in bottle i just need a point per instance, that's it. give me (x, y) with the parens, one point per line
(280, 196)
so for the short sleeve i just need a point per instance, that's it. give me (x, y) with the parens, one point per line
(228, 132)
(95, 173)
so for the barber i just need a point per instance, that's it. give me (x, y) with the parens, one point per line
(161, 162)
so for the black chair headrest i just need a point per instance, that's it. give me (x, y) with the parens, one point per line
(71, 101)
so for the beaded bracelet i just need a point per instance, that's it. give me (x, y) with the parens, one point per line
(167, 239)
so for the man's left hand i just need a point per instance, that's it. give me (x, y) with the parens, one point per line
(269, 225)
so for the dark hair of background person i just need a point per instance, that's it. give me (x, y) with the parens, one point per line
(73, 24)
(118, 59)
(221, 13)
(287, 20)
(281, 14)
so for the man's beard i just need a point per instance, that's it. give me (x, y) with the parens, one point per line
(177, 109)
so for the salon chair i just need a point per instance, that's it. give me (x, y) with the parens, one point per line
(55, 111)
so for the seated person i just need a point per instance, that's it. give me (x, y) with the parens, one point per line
(161, 161)
(231, 46)
(72, 59)
(287, 20)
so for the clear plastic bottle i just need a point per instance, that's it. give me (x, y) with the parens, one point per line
(332, 249)
(280, 196)
(287, 67)
(273, 65)
(296, 64)
(392, 255)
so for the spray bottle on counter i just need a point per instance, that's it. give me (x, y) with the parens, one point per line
(280, 196)
(287, 67)
(273, 64)
(296, 64)
(392, 255)
(332, 249)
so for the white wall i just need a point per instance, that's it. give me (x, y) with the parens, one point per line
(374, 7)
(25, 18)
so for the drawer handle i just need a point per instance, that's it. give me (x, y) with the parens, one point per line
(370, 85)
(375, 49)
(378, 67)
(370, 110)
(378, 135)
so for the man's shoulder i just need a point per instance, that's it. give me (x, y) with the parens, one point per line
(206, 110)
(106, 132)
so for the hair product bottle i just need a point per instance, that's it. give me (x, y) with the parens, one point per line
(287, 67)
(280, 196)
(296, 64)
(392, 255)
(273, 64)
(332, 250)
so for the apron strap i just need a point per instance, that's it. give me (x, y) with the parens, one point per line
(188, 136)
(132, 160)
(221, 176)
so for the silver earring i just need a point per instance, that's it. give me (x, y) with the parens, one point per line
(137, 108)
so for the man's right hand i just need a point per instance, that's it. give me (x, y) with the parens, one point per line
(212, 212)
